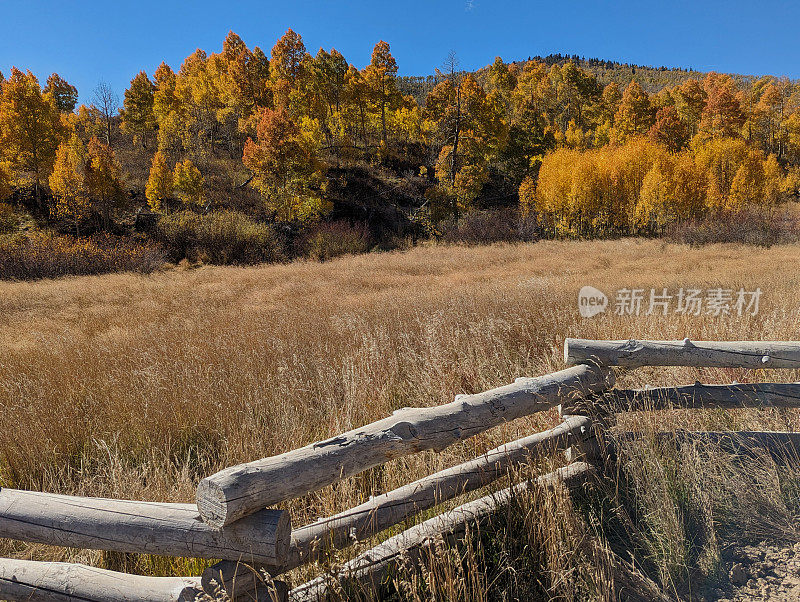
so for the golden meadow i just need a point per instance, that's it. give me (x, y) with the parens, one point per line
(136, 386)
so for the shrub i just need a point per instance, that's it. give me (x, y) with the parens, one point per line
(329, 240)
(9, 220)
(750, 227)
(485, 227)
(24, 257)
(222, 237)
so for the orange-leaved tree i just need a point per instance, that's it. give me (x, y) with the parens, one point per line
(286, 170)
(380, 76)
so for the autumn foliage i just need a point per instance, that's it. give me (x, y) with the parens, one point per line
(277, 136)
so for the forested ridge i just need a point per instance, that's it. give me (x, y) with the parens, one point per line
(294, 153)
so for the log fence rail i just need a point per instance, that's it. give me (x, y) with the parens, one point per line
(234, 519)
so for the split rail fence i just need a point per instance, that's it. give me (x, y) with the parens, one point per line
(234, 522)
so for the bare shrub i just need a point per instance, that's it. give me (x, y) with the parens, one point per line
(490, 226)
(28, 257)
(749, 227)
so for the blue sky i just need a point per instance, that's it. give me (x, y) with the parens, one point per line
(88, 41)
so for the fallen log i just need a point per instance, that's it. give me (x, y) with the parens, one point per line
(36, 581)
(240, 490)
(370, 569)
(143, 527)
(725, 354)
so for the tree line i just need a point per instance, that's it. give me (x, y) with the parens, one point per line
(580, 156)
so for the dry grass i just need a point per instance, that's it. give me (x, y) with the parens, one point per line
(136, 386)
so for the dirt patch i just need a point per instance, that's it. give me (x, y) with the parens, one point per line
(762, 572)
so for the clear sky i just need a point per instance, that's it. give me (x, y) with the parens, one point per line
(85, 41)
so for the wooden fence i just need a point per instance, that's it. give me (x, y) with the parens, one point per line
(232, 521)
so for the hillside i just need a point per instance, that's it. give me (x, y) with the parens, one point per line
(238, 156)
(652, 79)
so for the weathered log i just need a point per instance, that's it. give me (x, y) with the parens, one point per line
(36, 581)
(242, 582)
(144, 527)
(370, 568)
(725, 354)
(753, 395)
(383, 511)
(238, 491)
(782, 446)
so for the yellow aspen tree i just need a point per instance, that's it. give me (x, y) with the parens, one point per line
(167, 108)
(774, 180)
(30, 127)
(189, 184)
(747, 187)
(103, 179)
(160, 185)
(5, 181)
(527, 196)
(138, 118)
(68, 183)
(61, 92)
(287, 67)
(634, 115)
(380, 76)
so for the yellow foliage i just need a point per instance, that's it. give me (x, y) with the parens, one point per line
(5, 180)
(189, 183)
(68, 182)
(614, 189)
(160, 184)
(527, 196)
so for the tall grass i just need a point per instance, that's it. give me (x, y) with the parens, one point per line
(135, 386)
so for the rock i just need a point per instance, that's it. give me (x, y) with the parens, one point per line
(738, 574)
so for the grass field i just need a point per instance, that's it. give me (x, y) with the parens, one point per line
(136, 386)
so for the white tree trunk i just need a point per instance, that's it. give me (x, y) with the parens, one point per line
(144, 527)
(237, 491)
(726, 354)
